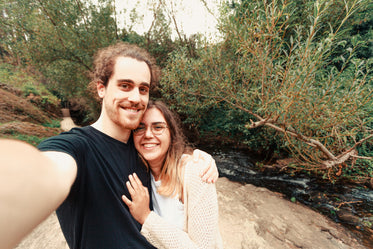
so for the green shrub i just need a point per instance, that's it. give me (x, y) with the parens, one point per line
(55, 123)
(280, 73)
(33, 140)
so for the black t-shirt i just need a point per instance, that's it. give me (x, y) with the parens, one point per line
(94, 215)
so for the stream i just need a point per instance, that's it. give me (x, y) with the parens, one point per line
(350, 205)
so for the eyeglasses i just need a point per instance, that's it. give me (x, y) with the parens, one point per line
(156, 128)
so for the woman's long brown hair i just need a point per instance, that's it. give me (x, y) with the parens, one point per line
(172, 173)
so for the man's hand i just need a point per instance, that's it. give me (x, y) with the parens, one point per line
(139, 206)
(209, 172)
(32, 186)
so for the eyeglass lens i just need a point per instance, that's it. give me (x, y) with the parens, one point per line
(156, 128)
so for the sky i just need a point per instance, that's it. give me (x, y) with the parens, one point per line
(191, 15)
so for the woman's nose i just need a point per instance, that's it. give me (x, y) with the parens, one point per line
(148, 132)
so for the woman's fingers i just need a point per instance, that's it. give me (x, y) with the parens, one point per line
(212, 173)
(209, 171)
(137, 179)
(135, 187)
(126, 200)
(139, 205)
(130, 188)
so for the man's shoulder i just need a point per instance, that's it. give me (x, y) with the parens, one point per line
(74, 137)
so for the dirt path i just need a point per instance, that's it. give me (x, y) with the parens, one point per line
(47, 235)
(250, 217)
(67, 123)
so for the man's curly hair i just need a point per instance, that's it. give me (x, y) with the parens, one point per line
(105, 59)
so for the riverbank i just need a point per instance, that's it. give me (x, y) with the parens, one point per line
(254, 217)
(249, 217)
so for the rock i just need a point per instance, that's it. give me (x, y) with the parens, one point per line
(250, 218)
(348, 217)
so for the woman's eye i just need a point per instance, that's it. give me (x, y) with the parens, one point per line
(159, 127)
(140, 129)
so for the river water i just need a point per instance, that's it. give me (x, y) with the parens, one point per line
(350, 205)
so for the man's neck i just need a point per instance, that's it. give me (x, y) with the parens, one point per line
(111, 129)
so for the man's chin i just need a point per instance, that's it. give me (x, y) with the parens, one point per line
(130, 125)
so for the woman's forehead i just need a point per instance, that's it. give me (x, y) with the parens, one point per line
(153, 115)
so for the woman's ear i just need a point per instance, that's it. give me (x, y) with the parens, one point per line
(101, 89)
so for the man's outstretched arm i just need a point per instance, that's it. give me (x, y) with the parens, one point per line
(32, 185)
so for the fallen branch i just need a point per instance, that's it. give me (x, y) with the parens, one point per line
(309, 141)
(340, 159)
(332, 159)
(347, 202)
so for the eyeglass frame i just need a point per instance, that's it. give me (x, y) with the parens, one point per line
(138, 132)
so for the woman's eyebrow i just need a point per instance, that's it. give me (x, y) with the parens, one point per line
(160, 122)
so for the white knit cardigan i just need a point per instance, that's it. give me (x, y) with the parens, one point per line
(201, 226)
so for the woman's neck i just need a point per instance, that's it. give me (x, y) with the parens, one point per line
(156, 171)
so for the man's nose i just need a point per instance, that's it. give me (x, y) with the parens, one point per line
(134, 95)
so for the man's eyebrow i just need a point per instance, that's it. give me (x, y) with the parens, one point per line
(145, 84)
(131, 81)
(125, 80)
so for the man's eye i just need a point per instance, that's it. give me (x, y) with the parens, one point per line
(125, 86)
(144, 90)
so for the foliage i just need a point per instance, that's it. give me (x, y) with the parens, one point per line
(57, 39)
(33, 140)
(18, 78)
(279, 73)
(55, 123)
(13, 76)
(299, 72)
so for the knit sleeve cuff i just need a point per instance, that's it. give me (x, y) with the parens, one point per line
(147, 226)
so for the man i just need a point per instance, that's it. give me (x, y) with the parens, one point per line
(83, 171)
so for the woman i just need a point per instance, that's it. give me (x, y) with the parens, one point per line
(185, 208)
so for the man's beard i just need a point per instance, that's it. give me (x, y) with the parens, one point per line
(121, 119)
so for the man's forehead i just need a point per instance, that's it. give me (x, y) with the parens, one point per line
(129, 68)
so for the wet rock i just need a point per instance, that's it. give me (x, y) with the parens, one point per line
(348, 217)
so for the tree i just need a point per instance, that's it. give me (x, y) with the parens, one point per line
(288, 85)
(58, 39)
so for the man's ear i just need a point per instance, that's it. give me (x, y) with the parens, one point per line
(101, 89)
